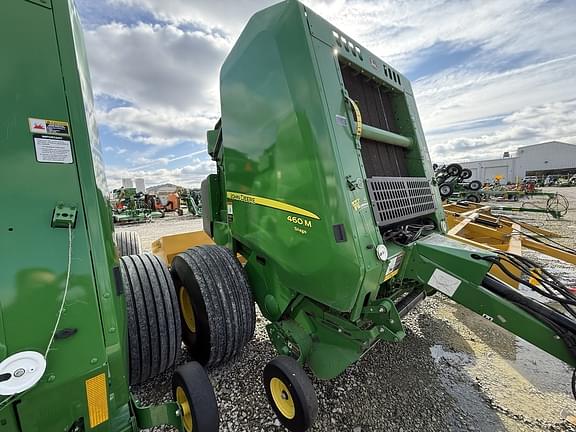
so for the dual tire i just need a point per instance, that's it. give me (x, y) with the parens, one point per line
(154, 329)
(208, 301)
(217, 309)
(127, 243)
(154, 340)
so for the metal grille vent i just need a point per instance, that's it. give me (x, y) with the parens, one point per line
(396, 199)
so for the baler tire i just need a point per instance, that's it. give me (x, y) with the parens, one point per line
(473, 198)
(466, 174)
(154, 330)
(213, 282)
(475, 185)
(196, 399)
(290, 394)
(454, 170)
(446, 189)
(128, 243)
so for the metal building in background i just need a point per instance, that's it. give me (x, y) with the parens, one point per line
(140, 185)
(553, 157)
(127, 183)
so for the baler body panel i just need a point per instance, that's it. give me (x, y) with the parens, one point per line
(278, 146)
(45, 77)
(288, 136)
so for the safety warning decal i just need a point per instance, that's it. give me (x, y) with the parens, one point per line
(444, 282)
(230, 211)
(49, 127)
(393, 266)
(53, 149)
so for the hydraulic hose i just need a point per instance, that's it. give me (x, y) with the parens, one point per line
(535, 308)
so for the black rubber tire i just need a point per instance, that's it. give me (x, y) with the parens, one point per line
(302, 393)
(466, 174)
(473, 198)
(475, 185)
(193, 379)
(454, 170)
(128, 243)
(446, 189)
(154, 331)
(222, 302)
(180, 212)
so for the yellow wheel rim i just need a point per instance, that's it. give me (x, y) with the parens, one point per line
(185, 412)
(187, 310)
(282, 398)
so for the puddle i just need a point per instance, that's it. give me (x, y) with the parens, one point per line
(439, 354)
(470, 404)
(543, 371)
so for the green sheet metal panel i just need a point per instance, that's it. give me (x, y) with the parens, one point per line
(45, 77)
(277, 145)
(288, 137)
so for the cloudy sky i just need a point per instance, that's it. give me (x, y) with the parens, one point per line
(488, 75)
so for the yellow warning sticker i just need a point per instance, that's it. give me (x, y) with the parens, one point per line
(49, 127)
(393, 267)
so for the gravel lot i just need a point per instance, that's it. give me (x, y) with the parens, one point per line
(454, 371)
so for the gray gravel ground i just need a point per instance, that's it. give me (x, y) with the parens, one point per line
(453, 372)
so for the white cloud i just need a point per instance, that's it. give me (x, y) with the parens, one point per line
(462, 95)
(163, 127)
(398, 30)
(227, 17)
(188, 176)
(156, 65)
(168, 76)
(530, 125)
(522, 62)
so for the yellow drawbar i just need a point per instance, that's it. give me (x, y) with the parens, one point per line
(97, 396)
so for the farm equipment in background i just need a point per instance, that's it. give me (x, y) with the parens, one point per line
(80, 324)
(453, 179)
(166, 203)
(129, 207)
(556, 206)
(325, 189)
(193, 200)
(479, 226)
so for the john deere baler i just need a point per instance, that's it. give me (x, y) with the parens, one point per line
(324, 186)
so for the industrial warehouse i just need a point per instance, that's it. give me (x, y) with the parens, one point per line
(235, 216)
(540, 160)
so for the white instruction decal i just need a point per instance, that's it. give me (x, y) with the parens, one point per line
(392, 264)
(53, 149)
(444, 282)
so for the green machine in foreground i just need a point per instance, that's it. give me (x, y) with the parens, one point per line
(78, 325)
(324, 186)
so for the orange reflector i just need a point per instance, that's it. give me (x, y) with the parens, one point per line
(97, 397)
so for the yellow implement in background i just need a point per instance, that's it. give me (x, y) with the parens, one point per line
(475, 224)
(168, 247)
